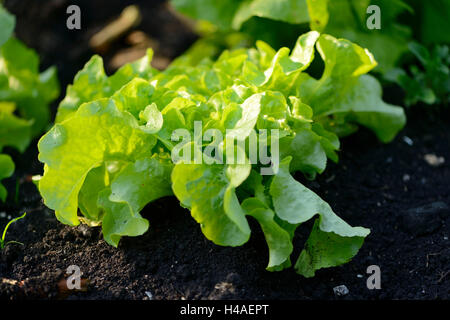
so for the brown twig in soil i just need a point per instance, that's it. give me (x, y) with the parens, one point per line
(130, 18)
(443, 275)
(415, 269)
(28, 288)
(64, 291)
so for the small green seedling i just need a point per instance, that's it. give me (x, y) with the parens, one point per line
(3, 244)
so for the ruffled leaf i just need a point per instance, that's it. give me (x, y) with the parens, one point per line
(71, 149)
(278, 239)
(22, 84)
(209, 192)
(92, 83)
(132, 188)
(14, 132)
(344, 94)
(295, 204)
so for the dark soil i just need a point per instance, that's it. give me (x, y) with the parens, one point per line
(374, 185)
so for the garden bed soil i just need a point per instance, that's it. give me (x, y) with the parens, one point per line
(383, 187)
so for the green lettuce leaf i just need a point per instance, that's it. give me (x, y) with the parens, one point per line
(307, 151)
(278, 239)
(227, 15)
(71, 149)
(14, 131)
(344, 94)
(332, 241)
(209, 192)
(22, 84)
(92, 83)
(220, 12)
(6, 171)
(132, 188)
(119, 219)
(290, 11)
(96, 181)
(347, 19)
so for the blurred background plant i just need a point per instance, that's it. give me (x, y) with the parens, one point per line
(25, 95)
(227, 25)
(427, 81)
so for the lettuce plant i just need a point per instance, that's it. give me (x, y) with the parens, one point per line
(24, 94)
(258, 19)
(429, 82)
(110, 152)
